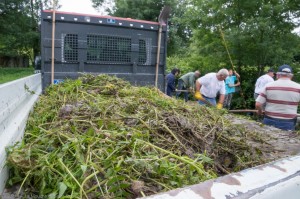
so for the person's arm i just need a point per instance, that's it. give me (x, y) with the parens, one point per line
(237, 78)
(221, 99)
(198, 86)
(191, 82)
(237, 83)
(198, 95)
(260, 101)
(259, 108)
(237, 75)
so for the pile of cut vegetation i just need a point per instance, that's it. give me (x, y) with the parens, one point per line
(100, 137)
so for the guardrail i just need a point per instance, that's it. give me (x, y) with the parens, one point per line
(276, 180)
(16, 101)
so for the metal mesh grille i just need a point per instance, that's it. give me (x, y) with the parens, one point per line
(108, 49)
(70, 48)
(144, 52)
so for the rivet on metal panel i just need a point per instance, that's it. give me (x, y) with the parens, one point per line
(142, 26)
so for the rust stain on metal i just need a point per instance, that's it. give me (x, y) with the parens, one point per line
(204, 189)
(173, 193)
(229, 180)
(238, 174)
(279, 168)
(261, 167)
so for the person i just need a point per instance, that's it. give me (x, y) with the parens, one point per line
(208, 86)
(262, 81)
(170, 78)
(187, 82)
(281, 98)
(230, 87)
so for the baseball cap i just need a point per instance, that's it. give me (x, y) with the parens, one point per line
(271, 70)
(285, 69)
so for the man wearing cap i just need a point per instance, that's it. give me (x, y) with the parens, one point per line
(208, 86)
(281, 98)
(262, 81)
(187, 82)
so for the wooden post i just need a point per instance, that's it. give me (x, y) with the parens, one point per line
(162, 19)
(53, 41)
(158, 54)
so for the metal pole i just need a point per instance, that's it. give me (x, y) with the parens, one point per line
(53, 41)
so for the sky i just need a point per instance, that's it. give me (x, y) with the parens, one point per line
(79, 6)
(85, 7)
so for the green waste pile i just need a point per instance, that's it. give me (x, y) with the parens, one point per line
(100, 137)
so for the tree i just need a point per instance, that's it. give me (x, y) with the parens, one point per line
(19, 35)
(256, 32)
(149, 10)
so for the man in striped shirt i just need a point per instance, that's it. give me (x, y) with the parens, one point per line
(281, 98)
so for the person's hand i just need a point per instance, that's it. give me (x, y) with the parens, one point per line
(198, 96)
(259, 112)
(219, 106)
(191, 90)
(231, 85)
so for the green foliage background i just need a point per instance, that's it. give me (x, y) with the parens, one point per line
(10, 74)
(258, 34)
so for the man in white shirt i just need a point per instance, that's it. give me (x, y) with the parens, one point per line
(262, 81)
(208, 86)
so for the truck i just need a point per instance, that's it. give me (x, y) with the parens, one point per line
(134, 50)
(128, 49)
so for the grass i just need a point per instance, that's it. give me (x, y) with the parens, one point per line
(10, 74)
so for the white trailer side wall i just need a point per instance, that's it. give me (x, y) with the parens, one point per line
(276, 180)
(16, 101)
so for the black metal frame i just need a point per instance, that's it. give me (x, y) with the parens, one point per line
(95, 44)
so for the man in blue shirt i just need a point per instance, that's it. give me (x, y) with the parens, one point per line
(170, 79)
(230, 87)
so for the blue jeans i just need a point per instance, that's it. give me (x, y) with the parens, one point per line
(227, 100)
(280, 123)
(212, 101)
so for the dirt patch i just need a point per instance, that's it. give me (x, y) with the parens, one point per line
(282, 143)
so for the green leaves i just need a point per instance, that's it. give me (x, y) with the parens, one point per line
(120, 146)
(62, 188)
(18, 29)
